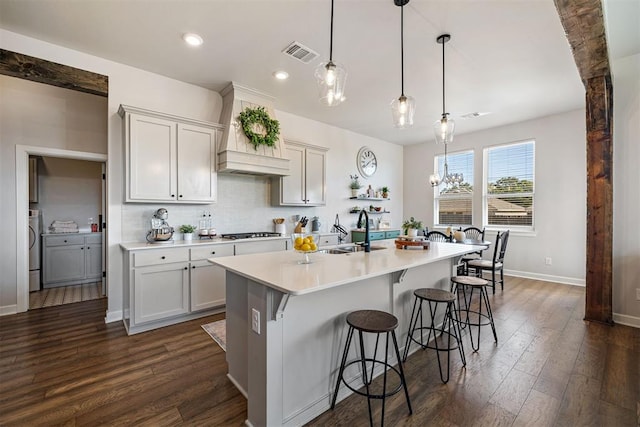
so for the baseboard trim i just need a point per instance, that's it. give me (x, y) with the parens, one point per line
(6, 310)
(546, 277)
(113, 316)
(624, 319)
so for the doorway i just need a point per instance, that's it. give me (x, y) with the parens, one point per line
(22, 210)
(66, 203)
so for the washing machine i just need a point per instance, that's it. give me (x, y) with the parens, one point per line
(35, 229)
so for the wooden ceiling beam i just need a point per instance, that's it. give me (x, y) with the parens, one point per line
(39, 70)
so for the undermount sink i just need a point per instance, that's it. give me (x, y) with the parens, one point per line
(349, 249)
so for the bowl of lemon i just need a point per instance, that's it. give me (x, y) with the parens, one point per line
(305, 243)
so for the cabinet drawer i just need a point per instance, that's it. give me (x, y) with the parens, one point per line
(63, 240)
(94, 238)
(212, 251)
(329, 240)
(392, 234)
(376, 235)
(161, 256)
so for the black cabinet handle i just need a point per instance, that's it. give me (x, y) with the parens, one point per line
(163, 257)
(186, 268)
(213, 252)
(193, 266)
(65, 241)
(173, 195)
(180, 195)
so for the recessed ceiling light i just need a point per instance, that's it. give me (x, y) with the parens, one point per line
(192, 39)
(281, 75)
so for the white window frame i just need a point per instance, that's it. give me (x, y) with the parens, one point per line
(525, 229)
(436, 192)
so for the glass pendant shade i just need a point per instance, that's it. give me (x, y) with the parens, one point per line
(331, 79)
(444, 129)
(402, 110)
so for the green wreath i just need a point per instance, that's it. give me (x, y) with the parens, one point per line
(252, 116)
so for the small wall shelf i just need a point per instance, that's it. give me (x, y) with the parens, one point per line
(368, 198)
(370, 212)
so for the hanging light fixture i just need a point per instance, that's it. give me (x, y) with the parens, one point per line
(450, 180)
(444, 127)
(403, 107)
(331, 77)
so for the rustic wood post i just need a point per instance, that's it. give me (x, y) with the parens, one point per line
(584, 26)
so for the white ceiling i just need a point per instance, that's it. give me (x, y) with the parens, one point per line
(507, 57)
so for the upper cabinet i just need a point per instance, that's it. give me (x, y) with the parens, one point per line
(168, 158)
(306, 184)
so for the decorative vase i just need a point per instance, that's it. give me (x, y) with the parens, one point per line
(354, 192)
(187, 236)
(412, 232)
(385, 195)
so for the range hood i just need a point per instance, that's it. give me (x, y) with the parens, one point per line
(236, 154)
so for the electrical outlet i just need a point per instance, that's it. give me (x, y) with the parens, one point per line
(255, 321)
(638, 294)
(548, 261)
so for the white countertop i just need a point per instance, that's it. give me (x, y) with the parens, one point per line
(134, 246)
(281, 270)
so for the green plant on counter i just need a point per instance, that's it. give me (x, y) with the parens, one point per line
(412, 223)
(250, 117)
(187, 228)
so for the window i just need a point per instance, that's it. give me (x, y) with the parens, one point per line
(509, 185)
(453, 203)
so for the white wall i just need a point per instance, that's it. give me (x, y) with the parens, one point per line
(244, 201)
(560, 197)
(626, 192)
(69, 190)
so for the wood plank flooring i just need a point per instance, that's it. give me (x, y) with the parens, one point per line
(63, 366)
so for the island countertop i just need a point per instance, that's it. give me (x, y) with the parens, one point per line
(282, 271)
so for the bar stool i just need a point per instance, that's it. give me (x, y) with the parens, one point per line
(377, 322)
(450, 326)
(460, 284)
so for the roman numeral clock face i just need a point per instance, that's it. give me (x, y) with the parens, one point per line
(367, 162)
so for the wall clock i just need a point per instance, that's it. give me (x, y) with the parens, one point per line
(366, 162)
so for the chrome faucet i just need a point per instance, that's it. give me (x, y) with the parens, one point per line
(367, 242)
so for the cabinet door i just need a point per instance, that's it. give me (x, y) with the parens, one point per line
(197, 178)
(93, 260)
(292, 192)
(152, 170)
(207, 285)
(63, 263)
(315, 177)
(160, 292)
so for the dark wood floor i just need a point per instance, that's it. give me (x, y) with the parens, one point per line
(64, 366)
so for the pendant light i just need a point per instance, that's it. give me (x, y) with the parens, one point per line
(444, 127)
(402, 108)
(331, 77)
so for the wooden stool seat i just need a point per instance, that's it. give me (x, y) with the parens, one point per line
(374, 321)
(435, 295)
(469, 281)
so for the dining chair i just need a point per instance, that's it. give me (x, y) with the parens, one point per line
(476, 234)
(437, 236)
(494, 265)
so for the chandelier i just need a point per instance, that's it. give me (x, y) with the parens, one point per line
(450, 180)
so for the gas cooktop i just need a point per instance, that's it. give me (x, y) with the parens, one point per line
(251, 235)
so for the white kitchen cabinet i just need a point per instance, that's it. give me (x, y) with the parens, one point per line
(167, 285)
(161, 291)
(71, 259)
(207, 281)
(168, 158)
(306, 184)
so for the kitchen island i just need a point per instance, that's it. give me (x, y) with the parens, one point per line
(286, 321)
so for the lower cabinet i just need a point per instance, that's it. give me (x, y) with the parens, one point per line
(165, 286)
(71, 259)
(358, 236)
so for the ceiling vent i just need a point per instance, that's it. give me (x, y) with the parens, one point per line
(300, 52)
(473, 115)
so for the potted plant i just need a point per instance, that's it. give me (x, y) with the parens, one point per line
(385, 192)
(187, 231)
(411, 226)
(354, 185)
